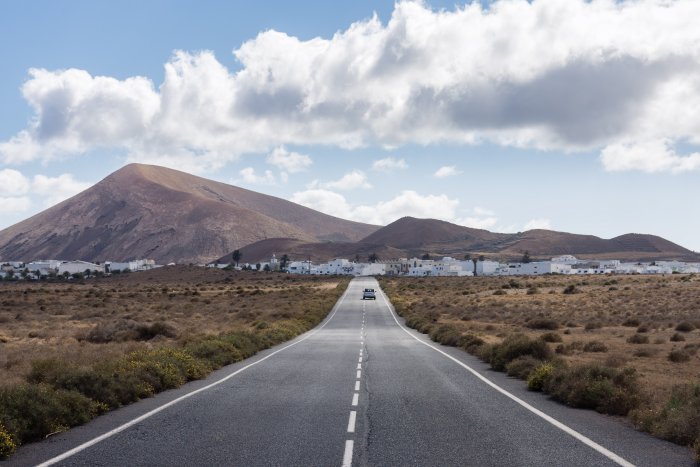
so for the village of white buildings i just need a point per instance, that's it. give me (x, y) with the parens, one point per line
(414, 267)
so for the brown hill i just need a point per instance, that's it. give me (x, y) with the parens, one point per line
(408, 237)
(145, 211)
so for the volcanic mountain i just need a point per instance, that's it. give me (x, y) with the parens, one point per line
(409, 237)
(146, 211)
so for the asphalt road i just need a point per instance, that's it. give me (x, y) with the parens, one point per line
(360, 389)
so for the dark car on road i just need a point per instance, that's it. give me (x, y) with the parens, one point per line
(369, 294)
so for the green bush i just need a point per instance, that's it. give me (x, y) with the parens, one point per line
(539, 375)
(31, 411)
(678, 420)
(445, 334)
(470, 343)
(514, 346)
(521, 367)
(604, 389)
(7, 443)
(214, 350)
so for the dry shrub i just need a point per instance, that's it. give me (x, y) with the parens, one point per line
(551, 337)
(678, 420)
(521, 367)
(685, 326)
(514, 346)
(638, 339)
(677, 337)
(595, 346)
(679, 356)
(542, 323)
(604, 389)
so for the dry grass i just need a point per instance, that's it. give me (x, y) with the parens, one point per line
(602, 313)
(96, 320)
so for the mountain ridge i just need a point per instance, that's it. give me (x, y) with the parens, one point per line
(409, 237)
(149, 211)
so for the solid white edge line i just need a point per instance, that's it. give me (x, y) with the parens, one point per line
(149, 414)
(584, 439)
(351, 421)
(347, 455)
(355, 399)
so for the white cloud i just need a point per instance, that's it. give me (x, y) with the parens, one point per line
(524, 74)
(389, 164)
(407, 203)
(350, 181)
(249, 176)
(648, 156)
(13, 204)
(56, 189)
(479, 222)
(479, 211)
(538, 224)
(446, 171)
(291, 162)
(12, 182)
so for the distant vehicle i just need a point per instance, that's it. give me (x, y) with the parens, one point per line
(368, 294)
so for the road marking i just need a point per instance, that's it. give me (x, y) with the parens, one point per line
(359, 374)
(360, 359)
(351, 421)
(347, 456)
(357, 385)
(359, 366)
(584, 439)
(355, 399)
(149, 414)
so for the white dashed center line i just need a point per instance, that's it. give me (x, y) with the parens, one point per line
(355, 399)
(357, 385)
(351, 421)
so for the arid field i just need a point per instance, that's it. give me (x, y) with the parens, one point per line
(97, 344)
(638, 334)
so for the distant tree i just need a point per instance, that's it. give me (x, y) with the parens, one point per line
(24, 273)
(66, 274)
(86, 273)
(482, 258)
(284, 261)
(467, 257)
(266, 268)
(425, 256)
(373, 258)
(257, 266)
(236, 256)
(357, 257)
(526, 257)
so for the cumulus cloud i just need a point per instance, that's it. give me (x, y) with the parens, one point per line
(14, 204)
(289, 161)
(407, 203)
(251, 177)
(538, 224)
(350, 181)
(389, 164)
(56, 189)
(13, 182)
(648, 156)
(518, 73)
(446, 171)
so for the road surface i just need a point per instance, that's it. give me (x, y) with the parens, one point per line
(360, 389)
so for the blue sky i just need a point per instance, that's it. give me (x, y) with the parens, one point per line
(507, 116)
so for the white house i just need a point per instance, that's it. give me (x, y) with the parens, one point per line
(74, 267)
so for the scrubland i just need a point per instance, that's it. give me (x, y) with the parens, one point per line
(72, 350)
(621, 345)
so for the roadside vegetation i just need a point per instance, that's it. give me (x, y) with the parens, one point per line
(620, 345)
(69, 352)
